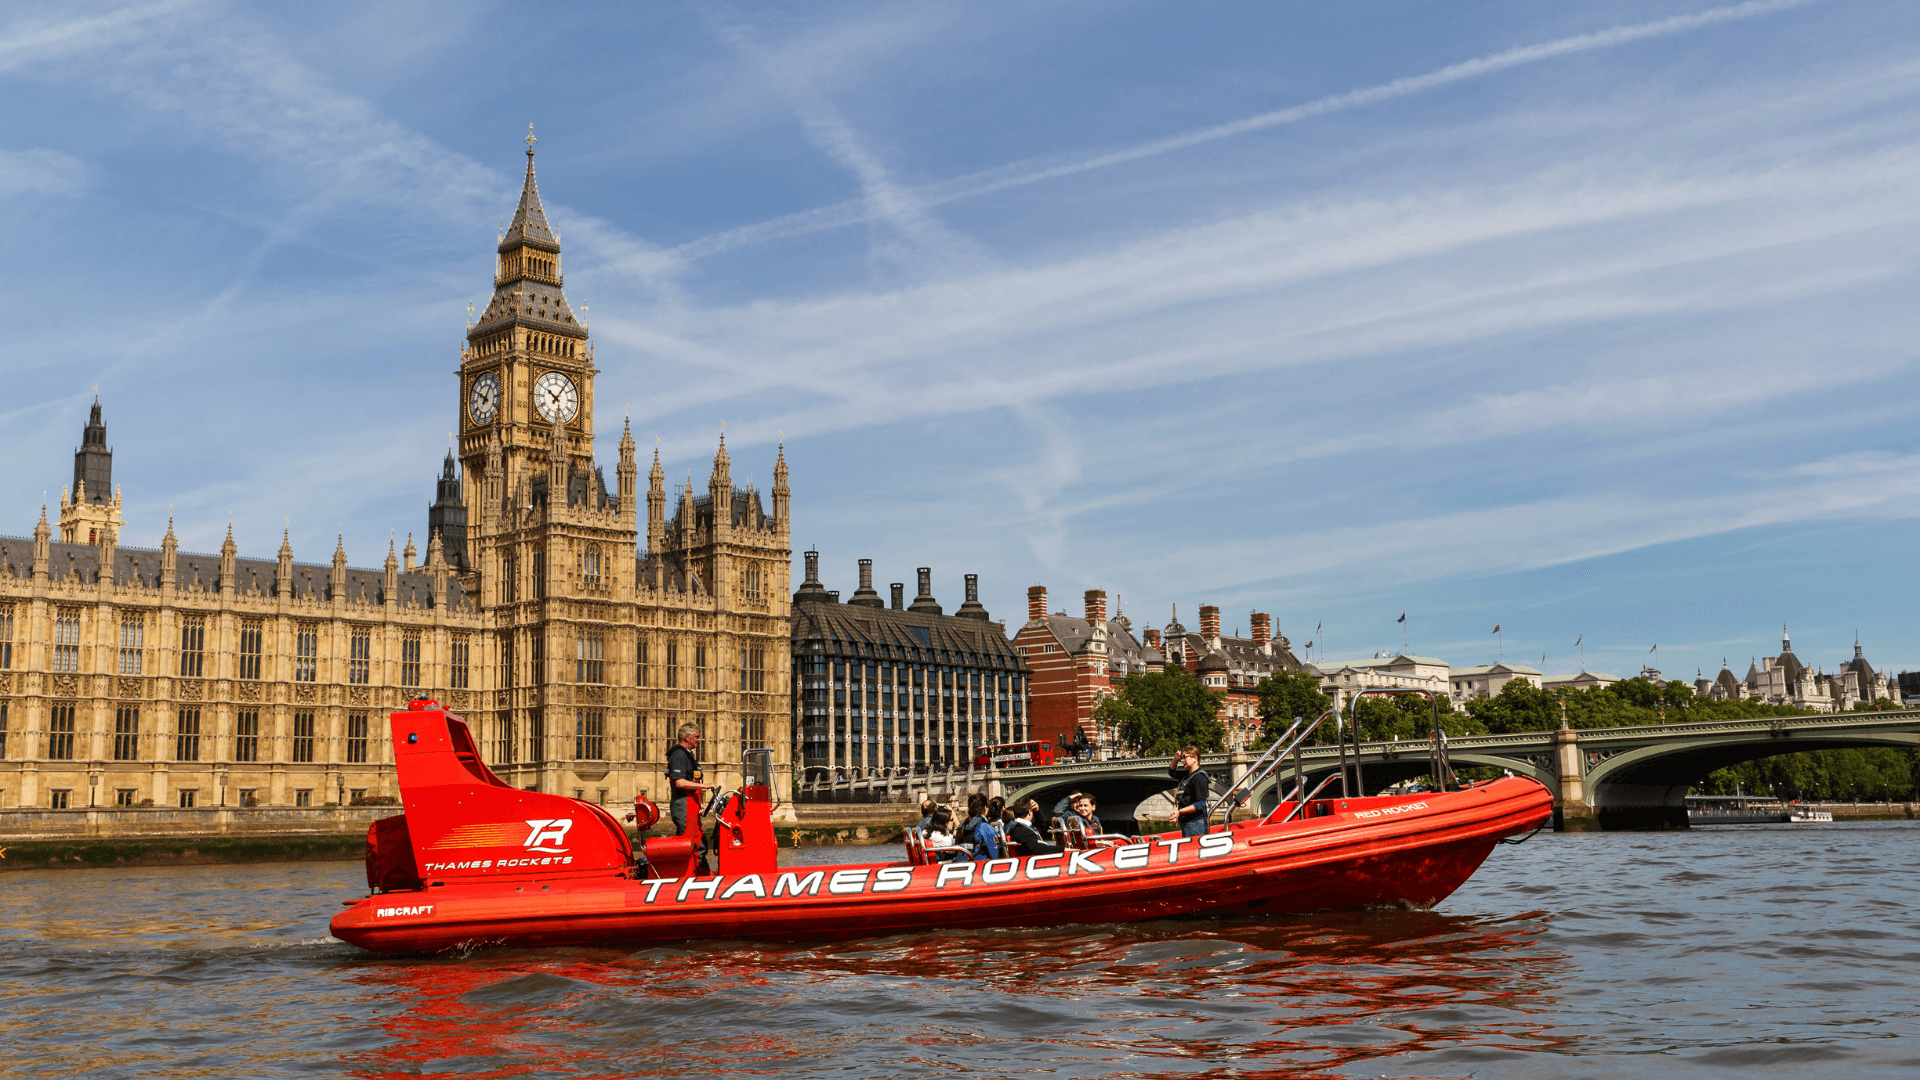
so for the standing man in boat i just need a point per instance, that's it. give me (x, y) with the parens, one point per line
(684, 782)
(1195, 787)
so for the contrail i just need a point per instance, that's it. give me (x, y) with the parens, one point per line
(66, 33)
(1020, 174)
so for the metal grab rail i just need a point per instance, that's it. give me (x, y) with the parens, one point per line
(1270, 760)
(1290, 742)
(1301, 804)
(1438, 766)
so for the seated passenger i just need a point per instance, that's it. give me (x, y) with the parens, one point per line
(926, 814)
(987, 842)
(1081, 815)
(997, 818)
(1022, 833)
(976, 816)
(940, 835)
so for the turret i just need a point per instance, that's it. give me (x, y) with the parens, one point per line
(110, 545)
(557, 469)
(782, 495)
(93, 462)
(409, 554)
(339, 578)
(495, 499)
(169, 555)
(229, 563)
(656, 506)
(448, 514)
(390, 585)
(437, 566)
(283, 575)
(628, 473)
(43, 545)
(720, 489)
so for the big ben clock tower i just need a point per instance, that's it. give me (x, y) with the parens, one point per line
(603, 649)
(527, 373)
(550, 550)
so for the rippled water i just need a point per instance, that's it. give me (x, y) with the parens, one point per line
(1759, 950)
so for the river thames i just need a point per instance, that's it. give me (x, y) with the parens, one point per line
(1736, 951)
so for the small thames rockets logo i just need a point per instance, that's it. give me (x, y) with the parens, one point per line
(550, 831)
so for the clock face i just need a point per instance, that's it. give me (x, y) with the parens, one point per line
(483, 401)
(555, 397)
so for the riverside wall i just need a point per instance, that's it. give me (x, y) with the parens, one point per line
(32, 838)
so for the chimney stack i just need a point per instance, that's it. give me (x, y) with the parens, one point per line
(925, 602)
(864, 596)
(972, 609)
(1037, 602)
(811, 589)
(1262, 628)
(1210, 621)
(899, 596)
(1097, 607)
(1153, 639)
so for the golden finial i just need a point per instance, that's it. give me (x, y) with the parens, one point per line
(530, 140)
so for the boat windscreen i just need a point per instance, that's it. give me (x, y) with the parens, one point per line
(757, 765)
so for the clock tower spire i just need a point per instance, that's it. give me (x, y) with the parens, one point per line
(528, 368)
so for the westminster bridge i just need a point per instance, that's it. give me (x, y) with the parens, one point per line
(1610, 778)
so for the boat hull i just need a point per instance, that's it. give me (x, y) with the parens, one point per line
(1405, 851)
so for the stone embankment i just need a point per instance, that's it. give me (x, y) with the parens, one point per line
(32, 839)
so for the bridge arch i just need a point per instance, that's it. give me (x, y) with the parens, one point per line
(1645, 787)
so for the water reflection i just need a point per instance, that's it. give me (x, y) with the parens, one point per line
(1293, 997)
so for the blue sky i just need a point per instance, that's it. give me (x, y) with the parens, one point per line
(1588, 320)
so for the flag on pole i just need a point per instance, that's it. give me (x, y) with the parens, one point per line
(1309, 644)
(1578, 640)
(1656, 648)
(1495, 630)
(1402, 618)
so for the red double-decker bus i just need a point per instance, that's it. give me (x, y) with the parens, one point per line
(1014, 755)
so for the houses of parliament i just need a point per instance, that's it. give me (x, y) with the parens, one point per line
(133, 677)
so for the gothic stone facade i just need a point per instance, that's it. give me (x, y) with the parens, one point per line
(128, 676)
(602, 654)
(131, 676)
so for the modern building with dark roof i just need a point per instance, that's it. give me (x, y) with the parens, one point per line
(879, 685)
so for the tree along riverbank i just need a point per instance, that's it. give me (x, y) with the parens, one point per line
(1158, 712)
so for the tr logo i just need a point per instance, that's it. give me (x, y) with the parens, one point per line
(550, 831)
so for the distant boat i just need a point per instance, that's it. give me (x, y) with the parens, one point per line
(1735, 810)
(1803, 815)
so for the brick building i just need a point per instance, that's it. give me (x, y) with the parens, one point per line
(1076, 662)
(1232, 665)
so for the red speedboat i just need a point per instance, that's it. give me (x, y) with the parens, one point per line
(475, 862)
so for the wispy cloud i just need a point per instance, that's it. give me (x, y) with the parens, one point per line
(40, 172)
(1021, 174)
(1295, 287)
(915, 237)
